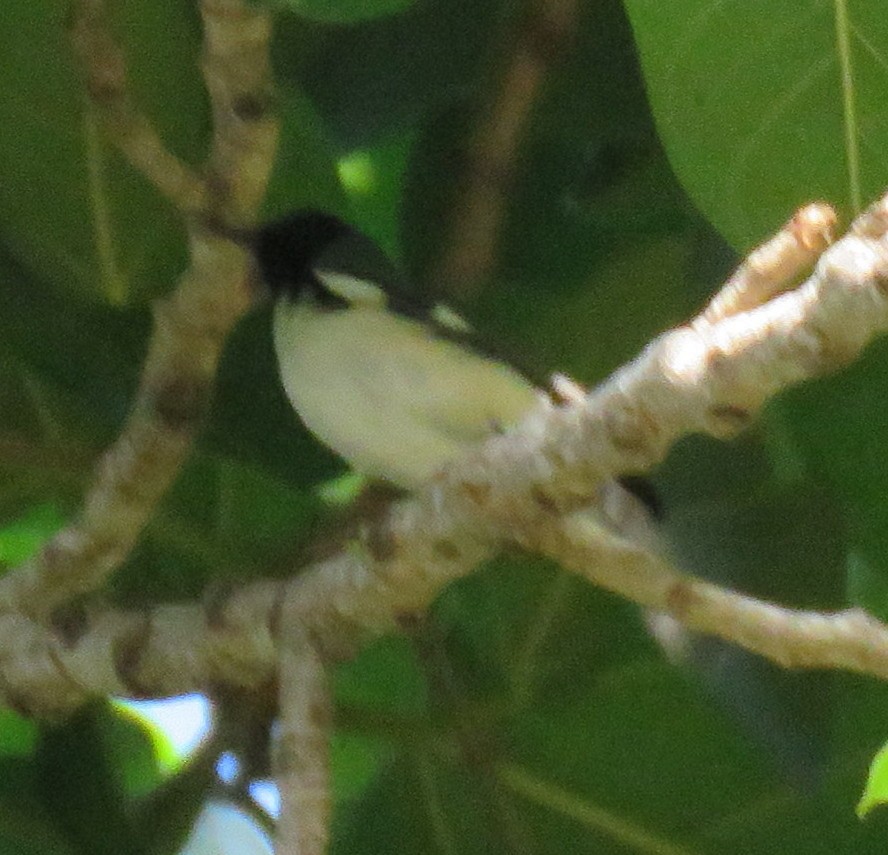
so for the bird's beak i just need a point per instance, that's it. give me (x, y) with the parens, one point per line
(242, 236)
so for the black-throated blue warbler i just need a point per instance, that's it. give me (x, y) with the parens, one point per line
(396, 383)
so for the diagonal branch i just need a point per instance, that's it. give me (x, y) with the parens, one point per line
(190, 326)
(236, 66)
(771, 268)
(543, 486)
(104, 69)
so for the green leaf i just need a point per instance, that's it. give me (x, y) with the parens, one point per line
(18, 735)
(373, 177)
(876, 790)
(304, 173)
(22, 537)
(355, 759)
(223, 521)
(68, 367)
(383, 76)
(384, 677)
(164, 819)
(519, 630)
(26, 826)
(70, 351)
(420, 804)
(659, 760)
(765, 105)
(71, 209)
(85, 768)
(837, 426)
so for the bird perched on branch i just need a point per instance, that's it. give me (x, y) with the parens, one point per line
(396, 383)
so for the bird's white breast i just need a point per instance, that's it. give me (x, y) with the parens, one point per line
(386, 394)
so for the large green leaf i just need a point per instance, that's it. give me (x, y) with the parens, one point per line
(85, 768)
(638, 761)
(67, 370)
(838, 429)
(764, 105)
(305, 168)
(70, 208)
(26, 826)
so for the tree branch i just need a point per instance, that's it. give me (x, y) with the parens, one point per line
(300, 755)
(770, 269)
(236, 65)
(191, 325)
(477, 213)
(546, 486)
(104, 69)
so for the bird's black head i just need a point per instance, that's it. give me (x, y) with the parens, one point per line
(286, 249)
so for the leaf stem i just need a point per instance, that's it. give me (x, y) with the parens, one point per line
(113, 283)
(548, 795)
(849, 110)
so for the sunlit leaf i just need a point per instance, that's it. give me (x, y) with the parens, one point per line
(765, 105)
(20, 538)
(876, 790)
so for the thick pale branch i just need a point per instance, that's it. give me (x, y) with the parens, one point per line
(850, 640)
(237, 70)
(543, 486)
(190, 326)
(189, 332)
(703, 378)
(175, 649)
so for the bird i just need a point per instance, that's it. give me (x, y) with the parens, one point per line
(394, 381)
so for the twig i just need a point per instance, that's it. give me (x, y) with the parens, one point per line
(850, 640)
(770, 269)
(104, 69)
(477, 213)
